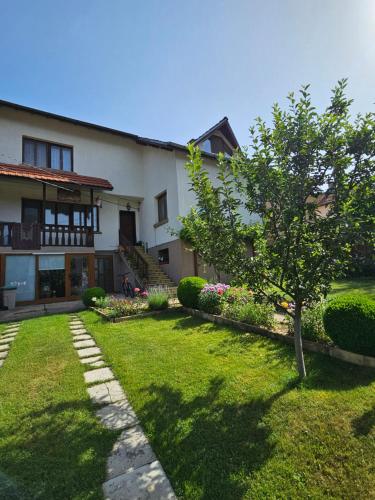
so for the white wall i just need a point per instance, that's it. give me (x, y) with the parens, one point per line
(159, 175)
(138, 173)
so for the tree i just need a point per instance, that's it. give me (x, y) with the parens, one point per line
(280, 177)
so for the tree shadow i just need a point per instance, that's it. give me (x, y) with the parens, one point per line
(58, 452)
(213, 443)
(363, 425)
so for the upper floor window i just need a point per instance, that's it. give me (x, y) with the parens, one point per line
(46, 154)
(162, 207)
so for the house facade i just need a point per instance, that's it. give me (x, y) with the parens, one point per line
(82, 204)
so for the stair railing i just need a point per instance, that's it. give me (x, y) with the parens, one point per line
(135, 258)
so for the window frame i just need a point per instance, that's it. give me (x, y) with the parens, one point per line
(49, 145)
(72, 207)
(161, 196)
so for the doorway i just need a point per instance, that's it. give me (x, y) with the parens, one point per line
(127, 228)
(104, 272)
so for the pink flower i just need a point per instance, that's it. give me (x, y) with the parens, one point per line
(137, 290)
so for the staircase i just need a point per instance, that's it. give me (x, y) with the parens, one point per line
(146, 270)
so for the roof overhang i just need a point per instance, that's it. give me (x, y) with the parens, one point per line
(53, 176)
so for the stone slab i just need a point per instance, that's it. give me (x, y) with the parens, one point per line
(3, 354)
(131, 451)
(9, 336)
(99, 375)
(6, 341)
(89, 351)
(106, 393)
(118, 415)
(84, 343)
(79, 331)
(1, 362)
(82, 337)
(147, 482)
(92, 359)
(97, 364)
(15, 329)
(4, 347)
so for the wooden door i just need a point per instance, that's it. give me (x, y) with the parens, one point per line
(127, 228)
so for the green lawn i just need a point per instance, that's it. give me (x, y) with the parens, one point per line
(228, 419)
(363, 286)
(51, 444)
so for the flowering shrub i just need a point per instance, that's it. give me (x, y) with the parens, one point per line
(116, 308)
(219, 288)
(211, 297)
(239, 295)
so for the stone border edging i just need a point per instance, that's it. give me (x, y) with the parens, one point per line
(334, 352)
(6, 338)
(133, 470)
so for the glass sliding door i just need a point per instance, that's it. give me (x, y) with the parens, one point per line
(51, 275)
(20, 272)
(79, 274)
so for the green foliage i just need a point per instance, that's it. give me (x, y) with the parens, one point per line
(312, 324)
(92, 293)
(157, 301)
(282, 177)
(102, 302)
(188, 290)
(210, 302)
(349, 321)
(119, 308)
(239, 295)
(252, 313)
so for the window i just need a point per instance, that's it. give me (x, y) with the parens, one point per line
(45, 154)
(51, 276)
(163, 256)
(62, 214)
(162, 207)
(20, 272)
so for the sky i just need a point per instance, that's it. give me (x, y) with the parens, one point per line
(170, 69)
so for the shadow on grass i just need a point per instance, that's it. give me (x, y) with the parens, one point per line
(364, 424)
(214, 444)
(59, 452)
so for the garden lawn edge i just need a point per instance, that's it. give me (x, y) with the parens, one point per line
(333, 351)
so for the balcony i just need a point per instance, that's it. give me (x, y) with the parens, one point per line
(32, 236)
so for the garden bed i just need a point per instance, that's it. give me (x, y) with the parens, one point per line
(334, 352)
(144, 314)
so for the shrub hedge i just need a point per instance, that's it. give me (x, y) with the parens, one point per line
(210, 302)
(349, 321)
(188, 291)
(90, 293)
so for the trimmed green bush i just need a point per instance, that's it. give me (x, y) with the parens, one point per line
(188, 291)
(349, 321)
(157, 301)
(90, 293)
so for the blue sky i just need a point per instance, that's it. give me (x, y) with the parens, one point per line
(170, 69)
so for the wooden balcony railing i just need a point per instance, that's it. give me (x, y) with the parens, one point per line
(66, 236)
(21, 236)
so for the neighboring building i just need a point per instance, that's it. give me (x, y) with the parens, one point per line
(75, 198)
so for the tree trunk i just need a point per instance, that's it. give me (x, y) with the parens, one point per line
(298, 341)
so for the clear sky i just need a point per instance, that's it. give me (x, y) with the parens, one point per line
(170, 69)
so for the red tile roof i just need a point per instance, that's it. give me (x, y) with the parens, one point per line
(53, 176)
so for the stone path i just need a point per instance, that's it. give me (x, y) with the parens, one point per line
(133, 471)
(6, 339)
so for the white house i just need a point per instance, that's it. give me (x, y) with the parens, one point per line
(80, 204)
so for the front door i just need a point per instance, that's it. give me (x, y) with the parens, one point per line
(127, 228)
(104, 272)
